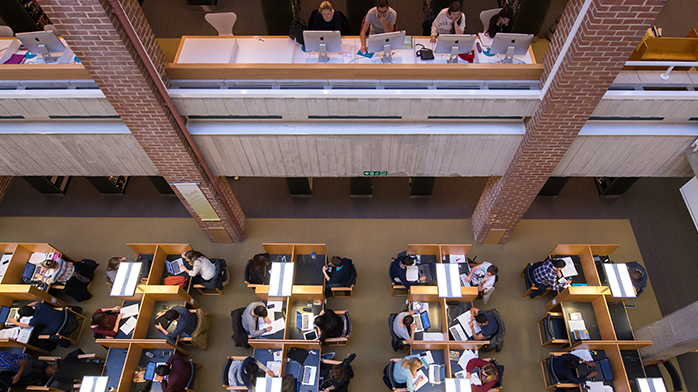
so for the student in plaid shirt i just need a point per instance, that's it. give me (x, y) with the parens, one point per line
(548, 275)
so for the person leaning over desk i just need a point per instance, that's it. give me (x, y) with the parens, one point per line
(337, 273)
(179, 372)
(486, 372)
(379, 19)
(327, 18)
(105, 321)
(549, 274)
(252, 313)
(450, 20)
(245, 373)
(500, 23)
(565, 366)
(329, 325)
(404, 325)
(405, 371)
(202, 269)
(488, 324)
(186, 321)
(41, 314)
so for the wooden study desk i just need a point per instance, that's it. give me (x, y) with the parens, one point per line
(265, 354)
(291, 333)
(274, 57)
(157, 255)
(124, 357)
(38, 71)
(308, 280)
(443, 355)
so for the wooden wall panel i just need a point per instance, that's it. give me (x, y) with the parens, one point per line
(626, 156)
(45, 107)
(673, 110)
(73, 154)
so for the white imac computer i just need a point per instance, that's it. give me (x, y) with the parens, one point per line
(45, 44)
(455, 44)
(386, 43)
(511, 44)
(322, 42)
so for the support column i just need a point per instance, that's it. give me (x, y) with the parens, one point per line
(672, 335)
(575, 78)
(101, 42)
(4, 185)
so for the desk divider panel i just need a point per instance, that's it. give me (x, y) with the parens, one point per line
(158, 343)
(175, 249)
(170, 293)
(13, 271)
(603, 319)
(620, 381)
(604, 249)
(7, 342)
(145, 310)
(306, 249)
(28, 292)
(592, 275)
(156, 267)
(279, 249)
(144, 249)
(454, 249)
(424, 249)
(576, 294)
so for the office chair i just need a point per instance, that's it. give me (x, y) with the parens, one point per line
(53, 385)
(388, 375)
(223, 22)
(552, 330)
(346, 292)
(397, 343)
(500, 371)
(199, 338)
(215, 285)
(528, 279)
(549, 377)
(497, 341)
(346, 330)
(190, 383)
(652, 370)
(6, 31)
(70, 330)
(226, 369)
(486, 15)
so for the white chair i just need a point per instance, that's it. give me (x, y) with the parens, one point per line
(6, 31)
(485, 17)
(222, 21)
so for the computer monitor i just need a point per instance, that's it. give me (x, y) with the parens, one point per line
(386, 43)
(455, 44)
(43, 43)
(510, 45)
(322, 42)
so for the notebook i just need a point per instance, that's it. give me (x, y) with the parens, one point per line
(308, 377)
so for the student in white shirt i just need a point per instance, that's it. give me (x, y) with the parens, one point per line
(450, 20)
(200, 266)
(483, 276)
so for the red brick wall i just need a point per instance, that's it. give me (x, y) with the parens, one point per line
(607, 36)
(100, 42)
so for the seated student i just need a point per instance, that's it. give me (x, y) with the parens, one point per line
(450, 20)
(548, 274)
(500, 23)
(565, 367)
(105, 321)
(258, 268)
(486, 372)
(404, 326)
(20, 364)
(483, 276)
(202, 269)
(638, 275)
(113, 266)
(186, 321)
(179, 372)
(245, 373)
(398, 270)
(336, 377)
(405, 371)
(326, 18)
(379, 19)
(488, 324)
(75, 276)
(337, 273)
(250, 317)
(41, 314)
(329, 325)
(71, 368)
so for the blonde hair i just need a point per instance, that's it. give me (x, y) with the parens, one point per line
(413, 364)
(325, 5)
(490, 372)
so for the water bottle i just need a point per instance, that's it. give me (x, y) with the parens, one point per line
(313, 255)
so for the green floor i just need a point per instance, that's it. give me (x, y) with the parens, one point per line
(371, 244)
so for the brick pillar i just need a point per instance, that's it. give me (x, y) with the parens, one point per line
(607, 36)
(98, 38)
(4, 185)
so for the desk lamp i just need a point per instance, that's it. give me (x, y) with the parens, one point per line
(94, 384)
(281, 279)
(268, 384)
(457, 385)
(447, 280)
(126, 280)
(619, 280)
(651, 385)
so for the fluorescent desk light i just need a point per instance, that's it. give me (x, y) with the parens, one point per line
(268, 384)
(126, 280)
(94, 384)
(457, 385)
(619, 280)
(447, 280)
(651, 385)
(281, 279)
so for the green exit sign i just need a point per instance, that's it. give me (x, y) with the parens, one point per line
(375, 173)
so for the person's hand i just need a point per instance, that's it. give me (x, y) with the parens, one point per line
(423, 278)
(270, 373)
(268, 328)
(467, 278)
(591, 364)
(418, 380)
(159, 314)
(267, 320)
(250, 337)
(410, 341)
(159, 378)
(593, 374)
(384, 20)
(119, 317)
(433, 41)
(117, 308)
(363, 49)
(470, 323)
(15, 378)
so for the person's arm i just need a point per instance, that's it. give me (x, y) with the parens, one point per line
(336, 21)
(324, 272)
(195, 269)
(22, 364)
(264, 368)
(116, 324)
(385, 20)
(460, 24)
(413, 327)
(362, 36)
(17, 323)
(434, 29)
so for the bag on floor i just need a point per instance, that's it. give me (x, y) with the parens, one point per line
(176, 280)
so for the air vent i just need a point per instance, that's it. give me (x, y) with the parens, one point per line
(79, 117)
(196, 117)
(595, 118)
(475, 118)
(355, 117)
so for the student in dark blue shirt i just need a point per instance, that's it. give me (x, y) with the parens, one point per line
(337, 273)
(488, 324)
(398, 270)
(327, 18)
(41, 314)
(638, 276)
(565, 367)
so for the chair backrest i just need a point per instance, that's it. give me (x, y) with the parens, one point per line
(6, 31)
(246, 272)
(223, 22)
(500, 372)
(346, 329)
(426, 25)
(486, 15)
(226, 369)
(344, 29)
(312, 18)
(70, 323)
(353, 275)
(551, 370)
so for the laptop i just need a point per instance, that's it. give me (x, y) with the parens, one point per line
(437, 373)
(150, 371)
(308, 376)
(425, 270)
(310, 335)
(458, 333)
(4, 314)
(174, 267)
(28, 273)
(305, 321)
(422, 322)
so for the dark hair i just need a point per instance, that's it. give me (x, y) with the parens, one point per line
(113, 263)
(570, 362)
(259, 261)
(100, 319)
(48, 263)
(192, 255)
(251, 368)
(337, 261)
(162, 370)
(636, 274)
(381, 3)
(26, 311)
(481, 318)
(171, 315)
(506, 12)
(455, 7)
(260, 311)
(558, 263)
(327, 320)
(493, 269)
(408, 320)
(408, 260)
(337, 373)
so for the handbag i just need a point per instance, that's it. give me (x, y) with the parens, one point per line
(176, 280)
(295, 31)
(425, 53)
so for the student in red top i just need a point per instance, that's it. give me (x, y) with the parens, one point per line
(105, 321)
(179, 372)
(487, 372)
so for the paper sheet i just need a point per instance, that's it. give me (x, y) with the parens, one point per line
(129, 311)
(569, 269)
(24, 334)
(422, 381)
(412, 273)
(128, 326)
(427, 357)
(584, 354)
(276, 326)
(577, 325)
(457, 259)
(432, 336)
(275, 367)
(465, 357)
(464, 319)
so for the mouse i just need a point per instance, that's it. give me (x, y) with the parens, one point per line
(307, 309)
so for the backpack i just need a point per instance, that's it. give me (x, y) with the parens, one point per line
(177, 280)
